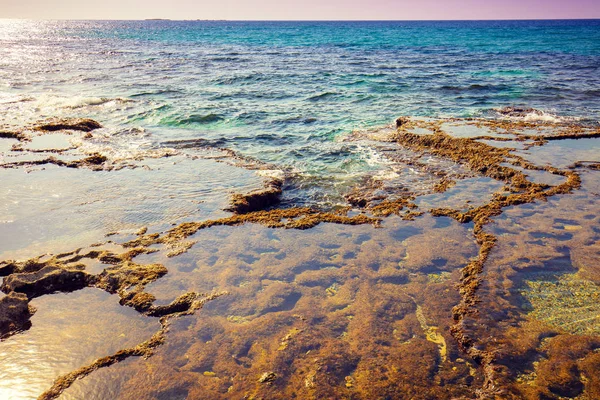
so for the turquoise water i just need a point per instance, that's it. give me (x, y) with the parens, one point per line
(288, 93)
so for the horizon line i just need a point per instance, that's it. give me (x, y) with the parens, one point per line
(302, 20)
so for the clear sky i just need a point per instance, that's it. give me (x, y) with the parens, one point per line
(300, 9)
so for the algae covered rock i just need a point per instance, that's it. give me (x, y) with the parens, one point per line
(15, 313)
(73, 124)
(47, 280)
(256, 200)
(128, 274)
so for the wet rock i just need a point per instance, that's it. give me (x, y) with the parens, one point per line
(512, 111)
(140, 301)
(443, 185)
(74, 124)
(181, 304)
(12, 135)
(127, 275)
(93, 160)
(15, 313)
(256, 200)
(389, 207)
(47, 280)
(401, 121)
(7, 268)
(357, 201)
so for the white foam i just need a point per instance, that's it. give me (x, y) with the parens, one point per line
(541, 116)
(371, 156)
(271, 173)
(74, 102)
(388, 175)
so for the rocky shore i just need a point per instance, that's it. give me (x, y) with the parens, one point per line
(422, 309)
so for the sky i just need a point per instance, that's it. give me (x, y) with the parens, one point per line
(301, 9)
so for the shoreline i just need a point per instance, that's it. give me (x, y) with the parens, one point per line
(127, 277)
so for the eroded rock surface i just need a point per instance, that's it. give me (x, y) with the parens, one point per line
(416, 314)
(73, 124)
(15, 313)
(256, 200)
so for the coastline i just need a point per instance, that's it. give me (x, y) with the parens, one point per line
(412, 263)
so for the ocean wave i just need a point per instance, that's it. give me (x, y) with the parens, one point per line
(240, 79)
(75, 102)
(197, 143)
(298, 119)
(529, 114)
(252, 116)
(475, 87)
(13, 99)
(228, 59)
(158, 93)
(371, 156)
(322, 96)
(201, 119)
(272, 173)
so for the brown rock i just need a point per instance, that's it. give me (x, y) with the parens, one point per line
(401, 121)
(15, 313)
(12, 135)
(47, 280)
(74, 124)
(256, 200)
(127, 275)
(512, 111)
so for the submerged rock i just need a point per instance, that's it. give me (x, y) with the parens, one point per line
(74, 124)
(181, 304)
(15, 313)
(268, 378)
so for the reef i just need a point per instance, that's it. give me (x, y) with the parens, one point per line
(512, 111)
(144, 349)
(437, 305)
(26, 280)
(491, 162)
(291, 218)
(94, 161)
(65, 272)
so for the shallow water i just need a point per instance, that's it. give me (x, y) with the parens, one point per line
(69, 331)
(51, 204)
(564, 153)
